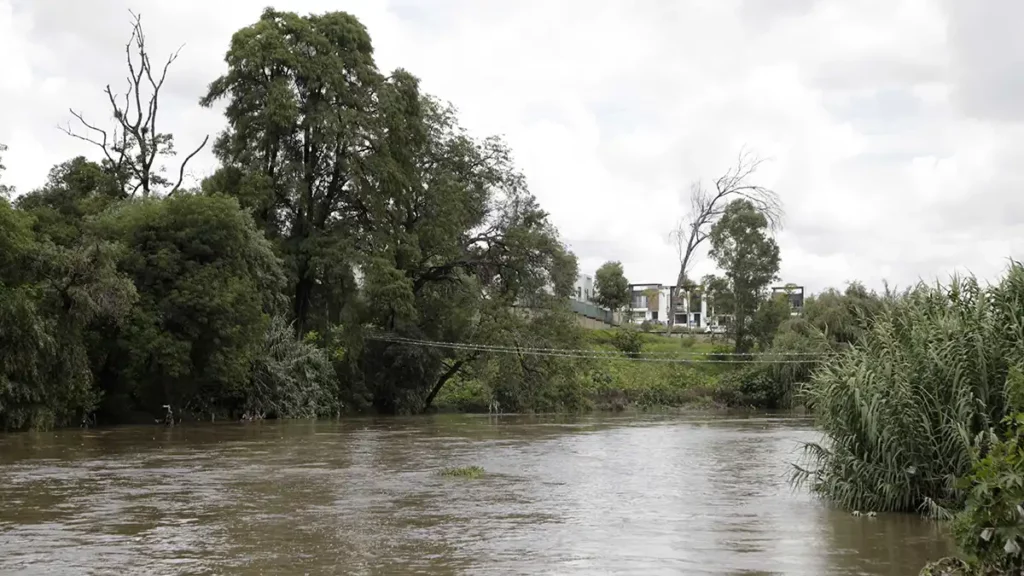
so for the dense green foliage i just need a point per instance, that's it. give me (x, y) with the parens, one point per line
(628, 340)
(990, 529)
(349, 208)
(845, 315)
(611, 286)
(743, 248)
(771, 313)
(902, 408)
(206, 279)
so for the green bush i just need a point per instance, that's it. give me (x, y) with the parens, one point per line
(688, 341)
(754, 386)
(990, 529)
(628, 341)
(291, 378)
(722, 353)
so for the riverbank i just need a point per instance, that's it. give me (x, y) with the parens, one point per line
(671, 372)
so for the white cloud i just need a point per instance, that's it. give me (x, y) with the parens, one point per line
(890, 124)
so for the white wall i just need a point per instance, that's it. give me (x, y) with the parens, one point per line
(584, 288)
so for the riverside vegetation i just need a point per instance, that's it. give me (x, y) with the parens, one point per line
(349, 204)
(924, 414)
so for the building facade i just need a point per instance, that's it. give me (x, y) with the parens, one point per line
(793, 293)
(691, 309)
(648, 303)
(584, 289)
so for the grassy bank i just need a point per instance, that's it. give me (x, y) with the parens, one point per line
(670, 372)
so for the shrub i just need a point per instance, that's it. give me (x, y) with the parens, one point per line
(628, 341)
(722, 352)
(754, 386)
(291, 378)
(470, 472)
(688, 341)
(990, 529)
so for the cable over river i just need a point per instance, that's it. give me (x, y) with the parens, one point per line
(603, 495)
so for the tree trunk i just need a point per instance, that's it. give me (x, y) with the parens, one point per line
(742, 342)
(674, 294)
(441, 381)
(303, 296)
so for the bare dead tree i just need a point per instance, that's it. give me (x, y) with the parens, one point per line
(133, 145)
(707, 205)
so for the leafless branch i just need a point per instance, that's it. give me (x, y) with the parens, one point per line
(708, 204)
(181, 169)
(134, 145)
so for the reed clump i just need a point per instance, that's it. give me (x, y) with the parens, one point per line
(903, 408)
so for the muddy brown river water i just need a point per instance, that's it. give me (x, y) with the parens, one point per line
(603, 495)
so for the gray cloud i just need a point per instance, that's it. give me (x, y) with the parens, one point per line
(875, 73)
(988, 57)
(896, 149)
(758, 14)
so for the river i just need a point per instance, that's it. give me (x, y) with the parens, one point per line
(599, 495)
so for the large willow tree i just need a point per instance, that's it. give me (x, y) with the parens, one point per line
(390, 215)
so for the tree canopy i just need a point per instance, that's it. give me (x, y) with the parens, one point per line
(611, 286)
(742, 247)
(350, 216)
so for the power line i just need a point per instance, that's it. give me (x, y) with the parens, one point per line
(613, 353)
(734, 358)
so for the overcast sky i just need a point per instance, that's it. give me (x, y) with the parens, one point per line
(894, 127)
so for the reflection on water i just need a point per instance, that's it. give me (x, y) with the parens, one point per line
(658, 495)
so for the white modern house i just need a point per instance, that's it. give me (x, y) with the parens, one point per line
(648, 303)
(584, 289)
(652, 303)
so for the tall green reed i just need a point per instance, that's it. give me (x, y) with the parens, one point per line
(902, 408)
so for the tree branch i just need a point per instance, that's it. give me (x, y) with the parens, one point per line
(181, 170)
(706, 207)
(452, 370)
(134, 145)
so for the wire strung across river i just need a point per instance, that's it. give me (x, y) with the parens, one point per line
(669, 357)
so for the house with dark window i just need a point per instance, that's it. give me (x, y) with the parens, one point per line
(648, 303)
(793, 293)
